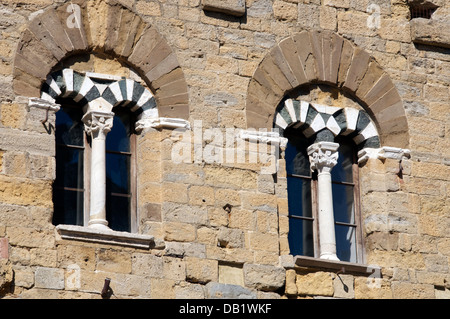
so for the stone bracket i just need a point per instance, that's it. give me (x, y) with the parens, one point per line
(162, 122)
(45, 105)
(385, 152)
(263, 137)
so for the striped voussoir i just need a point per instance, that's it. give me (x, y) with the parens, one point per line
(325, 123)
(86, 88)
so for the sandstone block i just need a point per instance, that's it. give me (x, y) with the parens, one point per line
(230, 238)
(147, 265)
(113, 261)
(179, 232)
(264, 277)
(317, 283)
(225, 291)
(291, 287)
(49, 278)
(201, 270)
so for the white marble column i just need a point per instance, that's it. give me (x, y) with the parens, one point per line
(323, 157)
(97, 125)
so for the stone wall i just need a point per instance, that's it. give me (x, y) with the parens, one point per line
(220, 228)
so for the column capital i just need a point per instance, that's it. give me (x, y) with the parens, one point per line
(323, 156)
(98, 124)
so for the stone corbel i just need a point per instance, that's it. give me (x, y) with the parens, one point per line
(385, 152)
(44, 105)
(162, 122)
(263, 137)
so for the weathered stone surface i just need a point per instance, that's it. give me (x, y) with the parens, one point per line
(264, 277)
(316, 283)
(225, 291)
(49, 278)
(430, 32)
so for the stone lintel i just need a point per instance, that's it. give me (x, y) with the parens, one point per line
(231, 7)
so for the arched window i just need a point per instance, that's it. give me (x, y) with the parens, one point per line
(71, 195)
(303, 199)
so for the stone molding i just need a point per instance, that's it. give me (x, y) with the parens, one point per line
(52, 35)
(327, 58)
(103, 236)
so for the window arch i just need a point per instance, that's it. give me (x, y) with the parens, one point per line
(323, 177)
(96, 148)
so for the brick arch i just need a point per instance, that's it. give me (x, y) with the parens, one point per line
(108, 27)
(324, 57)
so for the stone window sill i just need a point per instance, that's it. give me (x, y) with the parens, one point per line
(110, 237)
(337, 266)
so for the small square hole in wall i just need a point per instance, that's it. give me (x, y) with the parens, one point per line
(231, 273)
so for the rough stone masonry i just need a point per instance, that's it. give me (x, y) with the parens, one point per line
(221, 229)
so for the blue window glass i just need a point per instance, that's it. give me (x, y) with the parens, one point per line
(343, 189)
(68, 194)
(300, 238)
(118, 165)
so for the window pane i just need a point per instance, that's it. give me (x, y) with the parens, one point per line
(343, 203)
(69, 167)
(118, 139)
(118, 167)
(297, 160)
(69, 127)
(301, 237)
(69, 204)
(117, 173)
(68, 207)
(299, 196)
(118, 212)
(346, 243)
(343, 170)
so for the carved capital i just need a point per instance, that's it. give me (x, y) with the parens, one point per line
(323, 156)
(98, 124)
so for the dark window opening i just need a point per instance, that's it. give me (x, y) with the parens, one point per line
(68, 188)
(422, 11)
(119, 157)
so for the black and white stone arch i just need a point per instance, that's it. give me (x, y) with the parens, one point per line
(324, 123)
(94, 90)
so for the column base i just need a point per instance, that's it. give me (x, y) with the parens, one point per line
(329, 256)
(100, 224)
